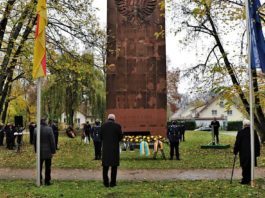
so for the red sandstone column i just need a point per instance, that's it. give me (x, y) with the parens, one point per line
(136, 65)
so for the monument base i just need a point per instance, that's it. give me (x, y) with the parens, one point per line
(215, 146)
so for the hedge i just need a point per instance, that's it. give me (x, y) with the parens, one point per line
(234, 125)
(189, 124)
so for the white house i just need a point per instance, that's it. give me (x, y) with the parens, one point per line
(204, 114)
(79, 119)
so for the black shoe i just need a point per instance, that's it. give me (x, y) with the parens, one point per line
(245, 182)
(171, 158)
(48, 183)
(178, 158)
(112, 185)
(106, 185)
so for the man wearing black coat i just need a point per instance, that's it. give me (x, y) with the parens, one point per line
(31, 132)
(55, 130)
(215, 127)
(10, 138)
(47, 149)
(174, 135)
(111, 135)
(183, 129)
(242, 146)
(87, 131)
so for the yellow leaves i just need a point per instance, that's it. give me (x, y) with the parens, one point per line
(198, 12)
(160, 34)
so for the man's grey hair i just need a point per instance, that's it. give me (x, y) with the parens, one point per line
(111, 116)
(246, 122)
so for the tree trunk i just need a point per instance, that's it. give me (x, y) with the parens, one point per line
(4, 114)
(6, 85)
(4, 20)
(11, 44)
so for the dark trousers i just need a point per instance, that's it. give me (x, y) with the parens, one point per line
(174, 146)
(2, 138)
(246, 173)
(31, 133)
(113, 175)
(216, 136)
(183, 136)
(19, 142)
(48, 163)
(97, 148)
(10, 141)
(56, 136)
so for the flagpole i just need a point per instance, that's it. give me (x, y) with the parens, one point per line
(38, 182)
(251, 94)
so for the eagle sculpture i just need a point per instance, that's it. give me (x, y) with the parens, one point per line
(136, 10)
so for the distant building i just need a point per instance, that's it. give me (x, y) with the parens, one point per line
(204, 114)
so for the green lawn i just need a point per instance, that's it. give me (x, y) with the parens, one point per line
(137, 189)
(74, 154)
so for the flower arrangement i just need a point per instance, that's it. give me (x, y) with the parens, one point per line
(139, 138)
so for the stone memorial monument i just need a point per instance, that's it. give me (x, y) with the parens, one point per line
(136, 65)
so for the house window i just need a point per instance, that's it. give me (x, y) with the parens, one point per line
(78, 120)
(229, 112)
(214, 112)
(64, 120)
(222, 103)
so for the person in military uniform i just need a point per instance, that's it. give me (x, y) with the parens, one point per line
(96, 136)
(174, 135)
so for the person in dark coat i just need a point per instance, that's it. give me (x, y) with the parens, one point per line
(96, 136)
(47, 149)
(111, 135)
(2, 134)
(55, 130)
(87, 132)
(174, 135)
(19, 135)
(242, 146)
(183, 129)
(31, 132)
(215, 127)
(10, 138)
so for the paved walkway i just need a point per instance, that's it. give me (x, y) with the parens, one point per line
(131, 175)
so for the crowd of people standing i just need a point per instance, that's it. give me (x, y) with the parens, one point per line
(106, 140)
(13, 135)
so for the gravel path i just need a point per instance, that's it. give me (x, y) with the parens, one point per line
(131, 175)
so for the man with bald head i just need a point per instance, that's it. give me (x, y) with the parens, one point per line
(242, 146)
(111, 135)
